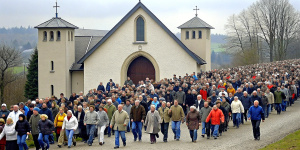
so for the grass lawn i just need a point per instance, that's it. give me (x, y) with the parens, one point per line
(217, 47)
(18, 69)
(292, 141)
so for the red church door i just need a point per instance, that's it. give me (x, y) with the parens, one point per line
(141, 68)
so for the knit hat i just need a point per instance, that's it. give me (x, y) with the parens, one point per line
(2, 120)
(3, 104)
(36, 109)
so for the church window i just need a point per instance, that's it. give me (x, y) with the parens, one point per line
(58, 36)
(194, 34)
(199, 34)
(51, 35)
(52, 65)
(187, 35)
(68, 35)
(52, 90)
(45, 36)
(71, 36)
(140, 29)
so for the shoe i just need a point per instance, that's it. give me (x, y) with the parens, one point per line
(220, 134)
(165, 141)
(177, 139)
(157, 135)
(233, 125)
(140, 140)
(59, 146)
(109, 135)
(124, 143)
(174, 137)
(258, 138)
(208, 137)
(85, 141)
(237, 127)
(195, 142)
(100, 143)
(134, 140)
(116, 147)
(65, 144)
(152, 142)
(74, 143)
(215, 138)
(69, 146)
(90, 144)
(202, 135)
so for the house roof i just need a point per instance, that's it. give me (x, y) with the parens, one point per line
(56, 23)
(195, 22)
(130, 13)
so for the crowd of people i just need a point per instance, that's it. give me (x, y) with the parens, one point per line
(205, 101)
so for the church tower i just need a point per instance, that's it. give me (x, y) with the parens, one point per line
(56, 54)
(195, 34)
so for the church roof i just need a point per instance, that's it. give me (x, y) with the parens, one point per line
(195, 22)
(56, 23)
(140, 5)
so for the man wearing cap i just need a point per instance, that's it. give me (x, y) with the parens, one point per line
(110, 111)
(137, 115)
(15, 113)
(34, 122)
(4, 112)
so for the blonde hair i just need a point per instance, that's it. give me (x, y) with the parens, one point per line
(11, 120)
(44, 115)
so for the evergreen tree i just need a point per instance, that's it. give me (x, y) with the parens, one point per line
(31, 86)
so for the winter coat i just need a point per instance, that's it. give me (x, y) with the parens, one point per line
(177, 113)
(203, 93)
(22, 127)
(59, 119)
(110, 110)
(10, 132)
(237, 107)
(256, 113)
(46, 127)
(246, 101)
(71, 124)
(199, 106)
(137, 113)
(225, 112)
(54, 111)
(215, 116)
(264, 100)
(278, 97)
(152, 122)
(80, 122)
(91, 118)
(164, 115)
(226, 105)
(119, 119)
(204, 112)
(14, 115)
(3, 140)
(193, 119)
(47, 112)
(29, 115)
(189, 100)
(127, 108)
(103, 118)
(254, 98)
(169, 98)
(180, 97)
(4, 112)
(34, 123)
(286, 93)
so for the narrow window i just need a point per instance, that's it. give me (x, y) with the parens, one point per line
(194, 35)
(52, 90)
(187, 35)
(52, 65)
(58, 36)
(140, 29)
(45, 36)
(51, 36)
(200, 34)
(68, 35)
(71, 36)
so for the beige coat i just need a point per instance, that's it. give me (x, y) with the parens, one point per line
(270, 97)
(119, 119)
(164, 115)
(152, 122)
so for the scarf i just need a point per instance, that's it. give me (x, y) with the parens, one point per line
(68, 117)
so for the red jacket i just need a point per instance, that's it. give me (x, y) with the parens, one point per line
(215, 116)
(203, 93)
(3, 140)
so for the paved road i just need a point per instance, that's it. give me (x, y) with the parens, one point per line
(273, 129)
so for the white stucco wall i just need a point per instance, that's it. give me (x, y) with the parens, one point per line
(77, 81)
(105, 63)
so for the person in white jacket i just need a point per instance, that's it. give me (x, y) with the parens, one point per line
(236, 108)
(70, 124)
(11, 135)
(15, 114)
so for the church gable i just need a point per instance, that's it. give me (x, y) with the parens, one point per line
(137, 39)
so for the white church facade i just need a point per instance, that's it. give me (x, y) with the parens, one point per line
(139, 46)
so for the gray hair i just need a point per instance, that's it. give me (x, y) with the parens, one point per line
(152, 106)
(79, 106)
(137, 101)
(109, 100)
(245, 92)
(193, 107)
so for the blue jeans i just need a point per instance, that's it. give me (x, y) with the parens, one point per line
(278, 107)
(268, 110)
(90, 129)
(236, 119)
(193, 134)
(109, 130)
(128, 127)
(176, 129)
(69, 134)
(137, 129)
(265, 108)
(117, 134)
(283, 105)
(21, 141)
(46, 139)
(215, 130)
(203, 127)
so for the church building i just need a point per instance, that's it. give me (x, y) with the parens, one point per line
(138, 46)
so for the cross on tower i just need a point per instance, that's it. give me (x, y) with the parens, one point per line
(196, 11)
(56, 14)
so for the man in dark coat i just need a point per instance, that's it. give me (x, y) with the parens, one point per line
(79, 114)
(222, 127)
(73, 97)
(47, 112)
(246, 101)
(4, 112)
(101, 87)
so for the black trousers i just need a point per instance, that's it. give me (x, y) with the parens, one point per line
(207, 129)
(165, 129)
(12, 145)
(256, 129)
(35, 140)
(244, 116)
(221, 127)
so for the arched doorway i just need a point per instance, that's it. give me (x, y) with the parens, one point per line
(141, 68)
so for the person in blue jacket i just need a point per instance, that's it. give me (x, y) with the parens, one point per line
(256, 114)
(24, 108)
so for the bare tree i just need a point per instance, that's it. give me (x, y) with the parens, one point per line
(9, 57)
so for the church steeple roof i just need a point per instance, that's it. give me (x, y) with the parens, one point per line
(195, 22)
(56, 22)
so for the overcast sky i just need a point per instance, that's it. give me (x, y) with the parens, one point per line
(104, 14)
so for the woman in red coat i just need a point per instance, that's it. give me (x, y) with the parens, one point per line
(216, 117)
(203, 93)
(3, 140)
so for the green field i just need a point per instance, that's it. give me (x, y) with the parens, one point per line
(217, 47)
(18, 69)
(292, 141)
